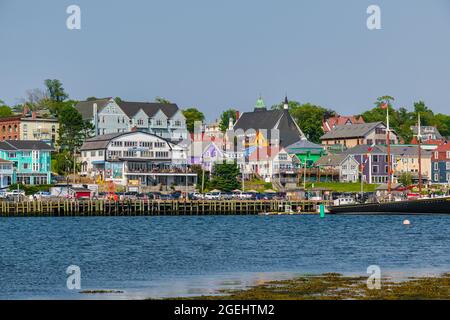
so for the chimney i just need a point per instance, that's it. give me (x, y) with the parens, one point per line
(33, 115)
(95, 117)
(237, 115)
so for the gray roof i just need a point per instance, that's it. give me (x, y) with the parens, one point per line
(427, 130)
(331, 160)
(150, 108)
(304, 144)
(102, 141)
(11, 145)
(364, 149)
(351, 131)
(263, 119)
(407, 150)
(86, 108)
(99, 142)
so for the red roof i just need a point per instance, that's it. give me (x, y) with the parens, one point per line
(330, 123)
(443, 152)
(431, 141)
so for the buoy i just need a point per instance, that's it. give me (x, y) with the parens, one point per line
(406, 222)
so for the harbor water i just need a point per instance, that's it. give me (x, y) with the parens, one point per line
(167, 256)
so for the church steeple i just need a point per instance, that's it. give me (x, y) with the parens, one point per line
(286, 103)
(260, 105)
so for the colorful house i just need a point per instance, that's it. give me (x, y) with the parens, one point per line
(306, 151)
(31, 161)
(374, 160)
(6, 173)
(440, 162)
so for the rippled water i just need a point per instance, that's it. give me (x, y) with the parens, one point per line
(172, 256)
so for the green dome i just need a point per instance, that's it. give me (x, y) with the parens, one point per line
(260, 104)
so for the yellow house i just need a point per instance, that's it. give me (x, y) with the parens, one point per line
(406, 160)
(39, 128)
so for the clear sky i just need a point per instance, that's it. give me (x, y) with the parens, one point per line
(215, 54)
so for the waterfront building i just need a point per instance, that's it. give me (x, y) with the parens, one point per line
(276, 127)
(306, 151)
(349, 136)
(341, 165)
(31, 161)
(406, 160)
(30, 126)
(272, 164)
(440, 162)
(330, 123)
(374, 160)
(6, 173)
(110, 116)
(137, 160)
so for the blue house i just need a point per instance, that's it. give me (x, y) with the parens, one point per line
(440, 164)
(31, 161)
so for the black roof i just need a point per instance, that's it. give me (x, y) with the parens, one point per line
(25, 145)
(271, 119)
(86, 108)
(150, 108)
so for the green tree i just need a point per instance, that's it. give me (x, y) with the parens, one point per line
(225, 119)
(73, 130)
(405, 179)
(162, 100)
(55, 90)
(225, 176)
(5, 111)
(192, 115)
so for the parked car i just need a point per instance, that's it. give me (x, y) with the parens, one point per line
(213, 196)
(197, 196)
(42, 195)
(15, 193)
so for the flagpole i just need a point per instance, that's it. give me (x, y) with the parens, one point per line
(388, 141)
(419, 137)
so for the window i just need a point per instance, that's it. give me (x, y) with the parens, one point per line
(35, 166)
(375, 169)
(447, 165)
(375, 158)
(25, 166)
(448, 154)
(141, 122)
(12, 155)
(369, 142)
(436, 177)
(92, 153)
(100, 153)
(436, 155)
(159, 122)
(177, 123)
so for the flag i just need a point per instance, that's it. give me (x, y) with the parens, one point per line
(384, 106)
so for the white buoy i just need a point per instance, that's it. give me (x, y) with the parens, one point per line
(406, 222)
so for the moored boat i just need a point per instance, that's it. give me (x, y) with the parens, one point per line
(419, 206)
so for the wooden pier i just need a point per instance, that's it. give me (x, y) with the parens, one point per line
(72, 208)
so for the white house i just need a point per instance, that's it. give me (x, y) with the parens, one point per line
(136, 159)
(108, 116)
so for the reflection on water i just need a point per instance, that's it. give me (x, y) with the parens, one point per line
(174, 256)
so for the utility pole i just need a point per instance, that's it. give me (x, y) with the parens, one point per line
(74, 165)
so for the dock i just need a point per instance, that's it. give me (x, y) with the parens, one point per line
(76, 208)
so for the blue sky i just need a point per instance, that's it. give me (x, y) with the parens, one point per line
(220, 54)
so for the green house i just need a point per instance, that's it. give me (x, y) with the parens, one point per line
(31, 161)
(306, 151)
